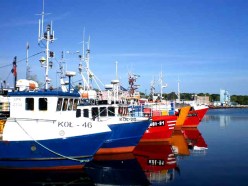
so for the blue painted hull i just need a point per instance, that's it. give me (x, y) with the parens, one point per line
(125, 135)
(66, 153)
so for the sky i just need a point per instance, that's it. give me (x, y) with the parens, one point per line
(203, 44)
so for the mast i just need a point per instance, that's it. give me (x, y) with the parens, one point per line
(162, 85)
(87, 60)
(27, 65)
(178, 89)
(48, 37)
(116, 69)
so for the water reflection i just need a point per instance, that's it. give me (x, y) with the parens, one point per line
(226, 116)
(120, 169)
(157, 161)
(150, 164)
(195, 141)
(30, 177)
(188, 141)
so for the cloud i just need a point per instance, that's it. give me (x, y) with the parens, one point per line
(22, 22)
(15, 23)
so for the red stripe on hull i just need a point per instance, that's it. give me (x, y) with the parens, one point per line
(115, 150)
(120, 156)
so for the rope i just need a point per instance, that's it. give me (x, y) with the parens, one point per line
(58, 154)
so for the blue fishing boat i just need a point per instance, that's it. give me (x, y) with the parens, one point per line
(43, 130)
(105, 106)
(126, 130)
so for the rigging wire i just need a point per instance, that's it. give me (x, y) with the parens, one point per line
(22, 59)
(19, 62)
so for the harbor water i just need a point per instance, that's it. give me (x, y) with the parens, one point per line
(223, 161)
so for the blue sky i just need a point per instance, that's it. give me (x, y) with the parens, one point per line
(204, 43)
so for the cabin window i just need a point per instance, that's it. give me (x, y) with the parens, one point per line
(70, 104)
(59, 104)
(42, 103)
(94, 112)
(78, 113)
(75, 104)
(111, 111)
(29, 103)
(86, 113)
(103, 111)
(65, 104)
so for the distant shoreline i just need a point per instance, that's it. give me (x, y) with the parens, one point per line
(228, 107)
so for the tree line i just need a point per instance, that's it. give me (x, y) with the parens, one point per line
(236, 99)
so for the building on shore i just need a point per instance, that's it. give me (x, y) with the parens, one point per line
(225, 98)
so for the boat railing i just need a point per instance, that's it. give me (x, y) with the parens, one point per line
(31, 119)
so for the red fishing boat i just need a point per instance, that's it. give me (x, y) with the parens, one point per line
(162, 126)
(195, 115)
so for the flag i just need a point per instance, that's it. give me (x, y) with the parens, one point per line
(14, 68)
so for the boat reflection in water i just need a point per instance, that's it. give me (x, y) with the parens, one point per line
(116, 169)
(157, 161)
(188, 141)
(153, 163)
(195, 141)
(42, 177)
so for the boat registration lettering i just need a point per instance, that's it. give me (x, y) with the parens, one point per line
(157, 124)
(192, 114)
(64, 124)
(87, 125)
(127, 119)
(70, 124)
(156, 162)
(16, 102)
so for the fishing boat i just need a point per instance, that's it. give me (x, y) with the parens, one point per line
(163, 123)
(162, 126)
(195, 115)
(44, 130)
(163, 117)
(156, 105)
(126, 130)
(105, 106)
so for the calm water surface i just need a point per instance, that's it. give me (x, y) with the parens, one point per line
(225, 161)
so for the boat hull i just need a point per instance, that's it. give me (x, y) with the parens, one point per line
(160, 129)
(194, 117)
(124, 137)
(69, 153)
